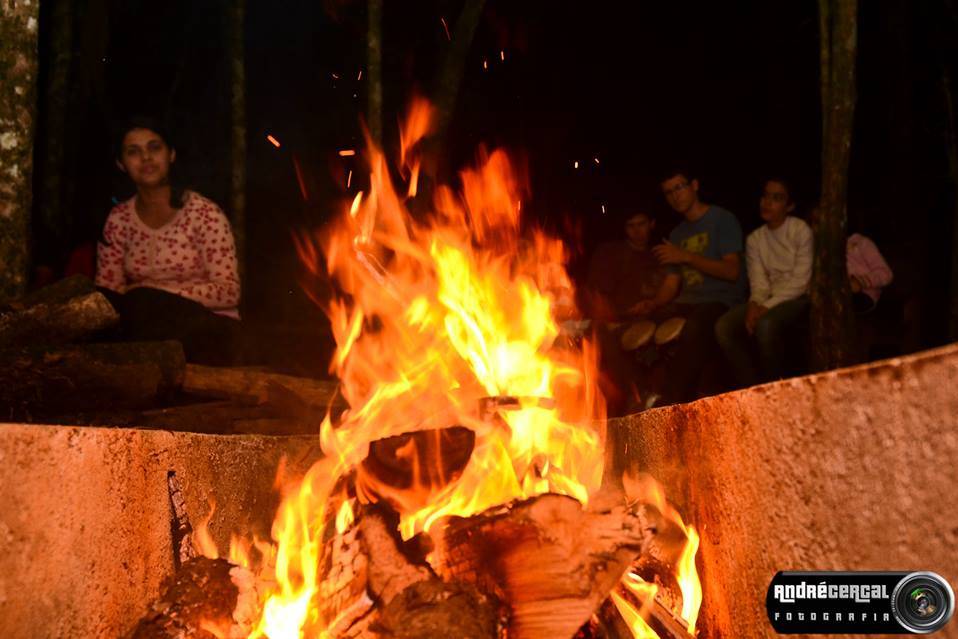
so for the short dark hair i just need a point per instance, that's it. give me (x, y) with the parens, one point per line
(121, 128)
(784, 181)
(626, 217)
(674, 170)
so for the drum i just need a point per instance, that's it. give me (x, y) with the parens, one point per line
(637, 335)
(669, 330)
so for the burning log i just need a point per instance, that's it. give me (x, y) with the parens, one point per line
(551, 560)
(372, 588)
(85, 376)
(201, 596)
(57, 322)
(415, 602)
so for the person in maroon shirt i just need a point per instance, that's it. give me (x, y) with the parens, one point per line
(625, 280)
(624, 275)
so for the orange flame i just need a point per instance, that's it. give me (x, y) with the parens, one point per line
(201, 535)
(645, 489)
(443, 320)
(439, 314)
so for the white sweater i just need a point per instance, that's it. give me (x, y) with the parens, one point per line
(779, 262)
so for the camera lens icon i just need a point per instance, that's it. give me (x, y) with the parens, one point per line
(923, 602)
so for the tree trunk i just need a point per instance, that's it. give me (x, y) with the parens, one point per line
(450, 77)
(51, 163)
(18, 70)
(832, 321)
(951, 141)
(374, 71)
(238, 103)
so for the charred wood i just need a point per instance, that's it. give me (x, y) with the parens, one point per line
(199, 595)
(373, 588)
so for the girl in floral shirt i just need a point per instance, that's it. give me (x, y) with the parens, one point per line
(167, 256)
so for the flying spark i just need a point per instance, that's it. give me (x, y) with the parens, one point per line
(273, 141)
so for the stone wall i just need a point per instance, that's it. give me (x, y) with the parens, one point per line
(850, 470)
(85, 530)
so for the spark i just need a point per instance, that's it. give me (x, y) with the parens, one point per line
(445, 28)
(273, 140)
(335, 77)
(345, 153)
(360, 76)
(485, 64)
(299, 178)
(603, 209)
(349, 178)
(596, 158)
(575, 164)
(502, 55)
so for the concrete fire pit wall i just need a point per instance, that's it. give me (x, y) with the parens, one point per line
(85, 530)
(850, 470)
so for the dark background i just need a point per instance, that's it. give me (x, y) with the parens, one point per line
(729, 88)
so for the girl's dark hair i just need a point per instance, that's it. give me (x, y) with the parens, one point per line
(177, 188)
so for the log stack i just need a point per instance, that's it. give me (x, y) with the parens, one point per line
(59, 363)
(534, 569)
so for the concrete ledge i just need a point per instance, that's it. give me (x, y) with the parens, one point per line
(849, 470)
(85, 536)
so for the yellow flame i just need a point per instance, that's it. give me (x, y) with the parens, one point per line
(633, 618)
(688, 580)
(345, 517)
(437, 317)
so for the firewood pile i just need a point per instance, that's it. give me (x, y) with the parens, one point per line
(539, 568)
(59, 363)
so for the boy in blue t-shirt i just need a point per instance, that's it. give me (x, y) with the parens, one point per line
(704, 255)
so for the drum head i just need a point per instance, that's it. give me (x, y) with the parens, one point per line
(637, 335)
(669, 330)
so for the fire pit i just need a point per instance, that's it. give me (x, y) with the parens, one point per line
(464, 492)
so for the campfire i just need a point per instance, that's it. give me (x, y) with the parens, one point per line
(463, 492)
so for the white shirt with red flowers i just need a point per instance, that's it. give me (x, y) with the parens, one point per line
(193, 255)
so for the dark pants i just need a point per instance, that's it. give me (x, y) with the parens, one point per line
(771, 333)
(695, 349)
(149, 314)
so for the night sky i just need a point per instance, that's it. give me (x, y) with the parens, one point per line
(728, 88)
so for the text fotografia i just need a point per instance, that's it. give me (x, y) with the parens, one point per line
(861, 593)
(832, 616)
(858, 602)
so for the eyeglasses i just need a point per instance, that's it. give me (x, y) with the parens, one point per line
(774, 197)
(675, 189)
